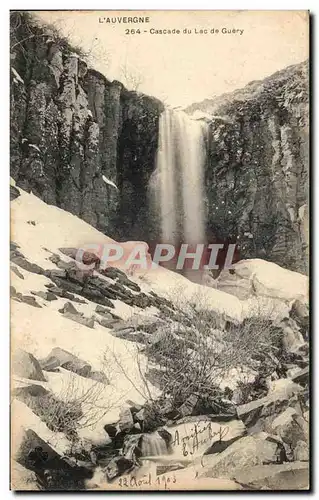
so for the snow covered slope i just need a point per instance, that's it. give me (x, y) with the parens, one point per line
(40, 230)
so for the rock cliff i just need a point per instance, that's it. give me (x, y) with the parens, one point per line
(70, 126)
(257, 171)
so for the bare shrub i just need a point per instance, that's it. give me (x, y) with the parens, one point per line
(195, 353)
(26, 28)
(131, 77)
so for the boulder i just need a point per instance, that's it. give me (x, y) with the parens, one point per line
(292, 337)
(284, 388)
(111, 430)
(94, 294)
(26, 265)
(25, 393)
(270, 280)
(99, 377)
(17, 272)
(302, 376)
(291, 427)
(235, 285)
(247, 451)
(288, 476)
(107, 323)
(14, 193)
(86, 257)
(64, 284)
(126, 420)
(60, 358)
(268, 406)
(104, 312)
(49, 296)
(64, 294)
(69, 308)
(23, 479)
(189, 406)
(301, 452)
(26, 365)
(117, 466)
(27, 299)
(35, 453)
(300, 313)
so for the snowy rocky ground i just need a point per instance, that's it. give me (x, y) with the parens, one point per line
(88, 409)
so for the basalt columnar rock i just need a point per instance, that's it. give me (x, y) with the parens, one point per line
(70, 126)
(257, 170)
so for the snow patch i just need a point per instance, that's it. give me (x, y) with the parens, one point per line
(17, 78)
(109, 182)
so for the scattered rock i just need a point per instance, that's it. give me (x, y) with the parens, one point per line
(78, 318)
(302, 377)
(288, 476)
(117, 466)
(301, 452)
(60, 358)
(111, 430)
(23, 479)
(26, 265)
(69, 308)
(49, 296)
(17, 272)
(126, 420)
(35, 453)
(95, 295)
(99, 377)
(25, 365)
(101, 310)
(64, 294)
(107, 323)
(270, 405)
(61, 264)
(140, 416)
(300, 313)
(292, 337)
(27, 299)
(14, 193)
(247, 451)
(188, 407)
(25, 392)
(291, 427)
(87, 258)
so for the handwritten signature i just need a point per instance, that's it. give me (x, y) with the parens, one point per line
(190, 443)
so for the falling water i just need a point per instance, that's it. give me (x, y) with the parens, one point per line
(153, 445)
(149, 445)
(180, 162)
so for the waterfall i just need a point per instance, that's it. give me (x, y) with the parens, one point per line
(180, 193)
(153, 445)
(146, 445)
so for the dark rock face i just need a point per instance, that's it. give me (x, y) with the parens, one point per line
(70, 126)
(257, 170)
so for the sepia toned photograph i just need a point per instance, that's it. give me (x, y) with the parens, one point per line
(159, 218)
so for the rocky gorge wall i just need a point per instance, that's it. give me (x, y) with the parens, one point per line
(257, 170)
(70, 126)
